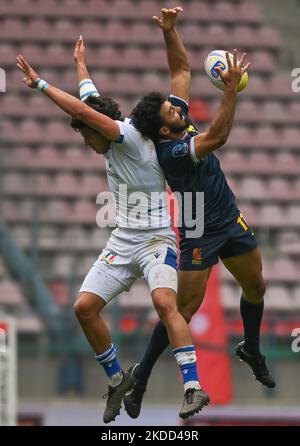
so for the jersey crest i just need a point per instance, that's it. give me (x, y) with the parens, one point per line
(180, 150)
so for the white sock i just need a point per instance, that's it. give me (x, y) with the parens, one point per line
(116, 379)
(192, 385)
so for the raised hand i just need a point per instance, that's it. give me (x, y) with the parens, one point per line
(80, 52)
(31, 76)
(235, 71)
(168, 18)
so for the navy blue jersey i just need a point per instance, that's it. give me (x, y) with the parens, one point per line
(185, 173)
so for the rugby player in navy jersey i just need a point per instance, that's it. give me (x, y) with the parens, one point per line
(190, 165)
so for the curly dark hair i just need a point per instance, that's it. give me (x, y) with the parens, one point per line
(146, 115)
(102, 104)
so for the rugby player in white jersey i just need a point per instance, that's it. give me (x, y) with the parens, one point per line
(138, 247)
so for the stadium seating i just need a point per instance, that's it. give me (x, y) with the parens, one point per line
(46, 166)
(12, 301)
(10, 294)
(231, 295)
(277, 298)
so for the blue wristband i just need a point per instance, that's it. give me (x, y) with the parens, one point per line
(41, 85)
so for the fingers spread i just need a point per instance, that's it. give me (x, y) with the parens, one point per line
(242, 61)
(235, 58)
(228, 60)
(246, 68)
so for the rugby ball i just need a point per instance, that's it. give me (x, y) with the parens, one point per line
(217, 59)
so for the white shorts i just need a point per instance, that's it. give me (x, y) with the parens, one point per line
(130, 254)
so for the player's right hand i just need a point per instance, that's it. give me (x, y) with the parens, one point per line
(80, 52)
(167, 20)
(31, 76)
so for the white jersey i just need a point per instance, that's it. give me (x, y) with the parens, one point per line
(137, 181)
(134, 176)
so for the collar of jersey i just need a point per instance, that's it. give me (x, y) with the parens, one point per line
(168, 140)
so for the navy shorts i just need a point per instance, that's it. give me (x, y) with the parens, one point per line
(235, 239)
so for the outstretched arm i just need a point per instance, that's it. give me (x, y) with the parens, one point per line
(69, 104)
(177, 56)
(86, 85)
(218, 132)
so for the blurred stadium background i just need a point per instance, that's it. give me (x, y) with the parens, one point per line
(48, 187)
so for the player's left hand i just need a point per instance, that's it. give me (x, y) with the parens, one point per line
(31, 76)
(167, 20)
(80, 52)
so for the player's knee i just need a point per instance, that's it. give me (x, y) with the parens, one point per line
(165, 304)
(256, 292)
(83, 310)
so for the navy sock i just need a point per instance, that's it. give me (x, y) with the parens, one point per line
(158, 343)
(252, 316)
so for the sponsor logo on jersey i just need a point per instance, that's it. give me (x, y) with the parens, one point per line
(180, 150)
(197, 256)
(157, 254)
